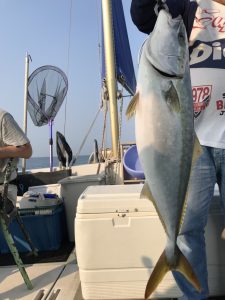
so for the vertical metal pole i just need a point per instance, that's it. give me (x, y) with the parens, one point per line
(25, 104)
(110, 73)
(51, 144)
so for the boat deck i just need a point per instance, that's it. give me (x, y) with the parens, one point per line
(58, 281)
(48, 279)
(51, 281)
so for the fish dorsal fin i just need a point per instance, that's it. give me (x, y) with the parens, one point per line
(146, 193)
(131, 109)
(197, 151)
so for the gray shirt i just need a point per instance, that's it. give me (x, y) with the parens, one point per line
(10, 135)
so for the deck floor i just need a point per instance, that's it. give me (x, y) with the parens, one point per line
(43, 276)
(53, 281)
(50, 280)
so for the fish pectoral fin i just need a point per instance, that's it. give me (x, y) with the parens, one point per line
(172, 98)
(161, 268)
(187, 271)
(197, 151)
(131, 109)
(146, 192)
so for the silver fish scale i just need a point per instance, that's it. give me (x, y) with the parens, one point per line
(164, 122)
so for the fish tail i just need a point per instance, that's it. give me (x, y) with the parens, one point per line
(162, 267)
(185, 268)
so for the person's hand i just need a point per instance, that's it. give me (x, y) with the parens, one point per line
(223, 234)
(175, 7)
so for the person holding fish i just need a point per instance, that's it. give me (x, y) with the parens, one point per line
(14, 144)
(164, 134)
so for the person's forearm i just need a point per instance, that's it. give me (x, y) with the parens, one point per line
(24, 151)
(144, 17)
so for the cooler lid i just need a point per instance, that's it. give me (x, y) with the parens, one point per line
(113, 199)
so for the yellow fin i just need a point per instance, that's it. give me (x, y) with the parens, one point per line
(183, 209)
(186, 269)
(146, 193)
(131, 109)
(161, 268)
(197, 151)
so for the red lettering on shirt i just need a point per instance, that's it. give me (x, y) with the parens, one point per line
(201, 97)
(209, 17)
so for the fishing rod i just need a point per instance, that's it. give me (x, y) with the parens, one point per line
(7, 213)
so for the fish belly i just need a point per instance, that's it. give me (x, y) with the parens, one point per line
(165, 155)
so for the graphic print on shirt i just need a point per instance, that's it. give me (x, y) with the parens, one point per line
(207, 50)
(207, 68)
(220, 105)
(208, 54)
(201, 98)
(211, 53)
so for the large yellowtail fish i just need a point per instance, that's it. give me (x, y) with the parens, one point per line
(165, 137)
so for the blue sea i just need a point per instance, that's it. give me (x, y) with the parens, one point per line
(44, 162)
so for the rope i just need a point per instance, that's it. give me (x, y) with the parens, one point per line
(120, 131)
(85, 138)
(98, 13)
(102, 148)
(68, 51)
(105, 98)
(68, 61)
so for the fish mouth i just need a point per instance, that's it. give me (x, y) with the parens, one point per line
(166, 74)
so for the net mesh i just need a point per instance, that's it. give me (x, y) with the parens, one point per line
(47, 88)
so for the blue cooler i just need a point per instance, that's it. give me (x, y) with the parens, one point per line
(45, 226)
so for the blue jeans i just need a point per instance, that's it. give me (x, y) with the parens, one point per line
(208, 170)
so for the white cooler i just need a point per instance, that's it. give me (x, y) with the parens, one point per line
(71, 189)
(119, 239)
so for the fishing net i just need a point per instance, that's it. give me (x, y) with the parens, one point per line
(47, 88)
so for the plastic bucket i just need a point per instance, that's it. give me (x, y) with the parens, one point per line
(132, 163)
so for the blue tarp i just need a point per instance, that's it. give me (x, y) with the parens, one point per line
(124, 64)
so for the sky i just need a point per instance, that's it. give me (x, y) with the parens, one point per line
(44, 30)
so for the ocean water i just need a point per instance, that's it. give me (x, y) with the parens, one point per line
(44, 162)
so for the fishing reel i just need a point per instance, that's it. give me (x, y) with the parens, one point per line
(160, 4)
